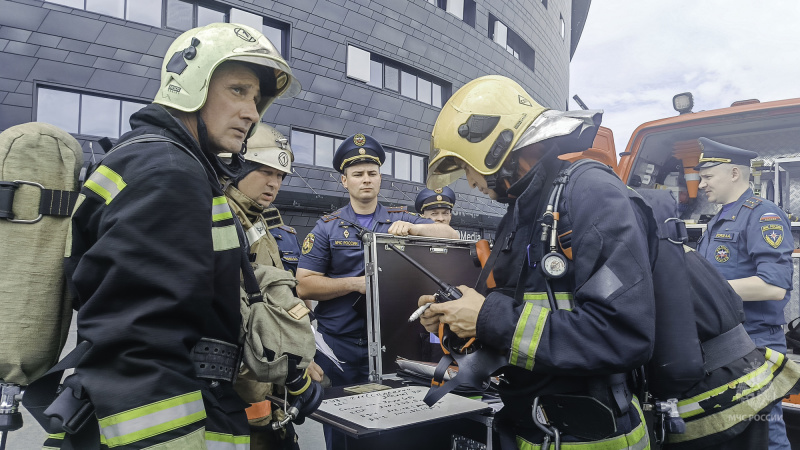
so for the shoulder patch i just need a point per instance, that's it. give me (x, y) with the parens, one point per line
(308, 243)
(396, 209)
(773, 234)
(752, 202)
(288, 228)
(770, 217)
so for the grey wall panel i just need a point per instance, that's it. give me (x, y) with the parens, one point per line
(49, 44)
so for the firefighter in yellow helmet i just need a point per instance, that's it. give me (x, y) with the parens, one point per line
(570, 331)
(155, 258)
(272, 243)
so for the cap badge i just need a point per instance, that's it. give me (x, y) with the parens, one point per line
(438, 198)
(359, 140)
(361, 151)
(438, 190)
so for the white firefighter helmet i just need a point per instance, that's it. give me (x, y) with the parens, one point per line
(269, 147)
(192, 58)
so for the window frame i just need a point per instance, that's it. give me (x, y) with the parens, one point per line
(401, 71)
(388, 169)
(81, 93)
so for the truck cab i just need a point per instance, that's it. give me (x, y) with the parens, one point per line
(662, 154)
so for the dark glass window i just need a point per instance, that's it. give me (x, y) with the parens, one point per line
(99, 116)
(386, 168)
(144, 11)
(207, 16)
(323, 150)
(70, 3)
(59, 108)
(512, 42)
(392, 78)
(277, 33)
(128, 108)
(402, 166)
(318, 150)
(179, 15)
(85, 114)
(437, 95)
(375, 74)
(417, 169)
(408, 84)
(114, 8)
(423, 90)
(303, 147)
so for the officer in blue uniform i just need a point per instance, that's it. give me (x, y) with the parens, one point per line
(331, 267)
(436, 204)
(749, 241)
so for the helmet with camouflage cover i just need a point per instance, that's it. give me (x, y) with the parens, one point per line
(269, 147)
(479, 125)
(192, 58)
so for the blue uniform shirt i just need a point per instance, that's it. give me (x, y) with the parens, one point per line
(333, 248)
(753, 237)
(286, 237)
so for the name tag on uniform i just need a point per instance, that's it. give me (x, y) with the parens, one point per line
(725, 236)
(290, 258)
(343, 243)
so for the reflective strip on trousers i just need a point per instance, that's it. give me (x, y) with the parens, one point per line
(784, 375)
(219, 441)
(106, 183)
(636, 439)
(53, 442)
(153, 419)
(564, 300)
(527, 335)
(751, 382)
(220, 209)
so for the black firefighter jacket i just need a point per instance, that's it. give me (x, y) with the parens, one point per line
(605, 321)
(155, 262)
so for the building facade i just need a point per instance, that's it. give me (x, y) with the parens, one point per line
(378, 67)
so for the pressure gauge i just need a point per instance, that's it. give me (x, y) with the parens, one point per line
(554, 265)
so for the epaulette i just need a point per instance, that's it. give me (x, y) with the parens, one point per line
(288, 228)
(328, 217)
(752, 202)
(273, 218)
(396, 209)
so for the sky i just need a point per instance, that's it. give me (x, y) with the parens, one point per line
(635, 55)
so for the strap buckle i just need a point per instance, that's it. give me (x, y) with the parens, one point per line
(8, 190)
(681, 236)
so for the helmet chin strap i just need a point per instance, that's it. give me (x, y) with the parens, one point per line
(504, 177)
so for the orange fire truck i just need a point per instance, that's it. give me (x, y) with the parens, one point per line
(661, 154)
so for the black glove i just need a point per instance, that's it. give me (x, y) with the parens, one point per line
(305, 397)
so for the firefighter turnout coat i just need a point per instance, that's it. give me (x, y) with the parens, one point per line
(155, 261)
(605, 318)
